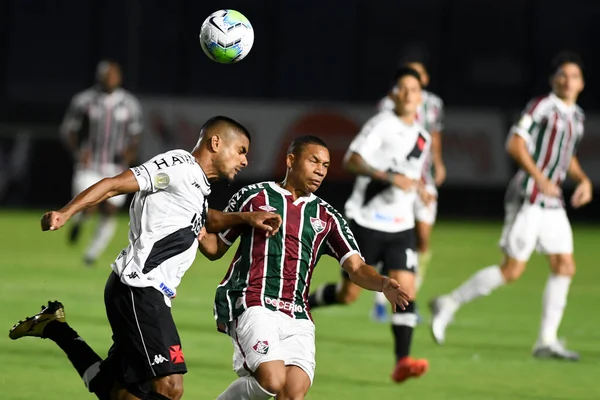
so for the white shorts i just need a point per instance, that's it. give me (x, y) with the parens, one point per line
(425, 213)
(83, 178)
(260, 335)
(529, 227)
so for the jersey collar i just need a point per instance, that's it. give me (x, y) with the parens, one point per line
(285, 192)
(562, 107)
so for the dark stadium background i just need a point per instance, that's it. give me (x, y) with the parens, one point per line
(482, 55)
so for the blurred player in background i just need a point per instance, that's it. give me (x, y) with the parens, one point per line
(101, 129)
(262, 301)
(430, 115)
(543, 143)
(167, 214)
(388, 156)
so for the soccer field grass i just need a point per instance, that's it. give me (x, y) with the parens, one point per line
(487, 355)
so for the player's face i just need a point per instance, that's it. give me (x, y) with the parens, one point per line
(112, 79)
(420, 68)
(231, 157)
(408, 95)
(567, 82)
(309, 168)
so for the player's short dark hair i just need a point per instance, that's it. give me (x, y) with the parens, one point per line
(406, 71)
(221, 119)
(299, 143)
(565, 57)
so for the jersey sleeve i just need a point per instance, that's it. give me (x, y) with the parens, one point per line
(340, 239)
(135, 125)
(74, 116)
(164, 172)
(369, 141)
(438, 125)
(239, 202)
(531, 117)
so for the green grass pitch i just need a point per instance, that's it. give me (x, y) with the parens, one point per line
(487, 355)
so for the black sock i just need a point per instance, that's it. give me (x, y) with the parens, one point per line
(324, 296)
(403, 323)
(80, 354)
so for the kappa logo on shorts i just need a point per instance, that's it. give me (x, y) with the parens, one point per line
(261, 347)
(317, 224)
(176, 354)
(159, 359)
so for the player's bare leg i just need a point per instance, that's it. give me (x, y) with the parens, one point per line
(403, 324)
(266, 382)
(297, 384)
(482, 283)
(344, 293)
(107, 225)
(423, 230)
(554, 301)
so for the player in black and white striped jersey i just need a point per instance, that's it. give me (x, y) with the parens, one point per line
(101, 129)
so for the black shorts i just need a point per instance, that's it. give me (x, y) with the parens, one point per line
(146, 344)
(396, 251)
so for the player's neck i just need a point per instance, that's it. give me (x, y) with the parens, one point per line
(296, 193)
(207, 166)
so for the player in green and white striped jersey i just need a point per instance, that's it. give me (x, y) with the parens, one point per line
(262, 302)
(543, 143)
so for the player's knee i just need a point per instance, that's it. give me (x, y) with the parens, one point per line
(512, 269)
(169, 386)
(348, 294)
(273, 382)
(562, 264)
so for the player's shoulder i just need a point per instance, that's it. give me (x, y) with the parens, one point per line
(85, 96)
(330, 210)
(246, 193)
(175, 159)
(128, 96)
(385, 103)
(432, 98)
(579, 113)
(540, 104)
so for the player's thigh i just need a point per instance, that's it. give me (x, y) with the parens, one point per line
(556, 234)
(370, 243)
(146, 342)
(256, 340)
(298, 346)
(520, 232)
(401, 258)
(425, 213)
(297, 384)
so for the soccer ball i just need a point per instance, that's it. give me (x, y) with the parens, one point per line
(226, 36)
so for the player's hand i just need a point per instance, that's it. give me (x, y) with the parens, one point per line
(403, 182)
(426, 196)
(582, 195)
(201, 234)
(394, 293)
(439, 174)
(266, 221)
(53, 220)
(548, 188)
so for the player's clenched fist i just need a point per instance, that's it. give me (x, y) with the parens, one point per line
(53, 220)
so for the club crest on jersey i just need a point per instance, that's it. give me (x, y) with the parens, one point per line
(267, 208)
(161, 180)
(261, 347)
(317, 224)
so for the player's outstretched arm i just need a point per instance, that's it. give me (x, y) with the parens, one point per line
(211, 245)
(517, 149)
(367, 277)
(217, 221)
(357, 165)
(95, 194)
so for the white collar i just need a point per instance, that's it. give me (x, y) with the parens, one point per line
(286, 192)
(562, 107)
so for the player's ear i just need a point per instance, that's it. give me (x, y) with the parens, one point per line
(289, 160)
(214, 143)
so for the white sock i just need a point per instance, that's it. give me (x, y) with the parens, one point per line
(245, 388)
(102, 237)
(380, 298)
(480, 284)
(554, 301)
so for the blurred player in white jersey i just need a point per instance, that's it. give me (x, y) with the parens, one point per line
(430, 115)
(543, 143)
(101, 129)
(388, 156)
